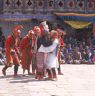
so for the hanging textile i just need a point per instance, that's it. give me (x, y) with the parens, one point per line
(78, 24)
(76, 17)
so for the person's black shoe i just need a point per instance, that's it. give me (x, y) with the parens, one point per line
(3, 72)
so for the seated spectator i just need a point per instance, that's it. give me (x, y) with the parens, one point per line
(93, 57)
(68, 57)
(2, 57)
(62, 57)
(87, 57)
(76, 56)
(69, 48)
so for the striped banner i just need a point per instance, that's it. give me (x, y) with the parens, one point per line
(76, 17)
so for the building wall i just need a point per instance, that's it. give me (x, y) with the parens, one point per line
(7, 27)
(40, 10)
(46, 6)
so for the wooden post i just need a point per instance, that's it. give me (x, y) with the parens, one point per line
(94, 29)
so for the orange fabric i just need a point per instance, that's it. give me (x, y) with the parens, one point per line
(10, 45)
(15, 59)
(25, 47)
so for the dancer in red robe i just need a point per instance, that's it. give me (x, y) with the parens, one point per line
(37, 32)
(61, 45)
(26, 51)
(39, 56)
(42, 39)
(12, 52)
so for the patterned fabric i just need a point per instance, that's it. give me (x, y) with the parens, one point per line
(76, 17)
(40, 60)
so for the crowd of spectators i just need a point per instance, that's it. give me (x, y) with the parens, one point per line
(2, 49)
(78, 52)
(2, 56)
(74, 52)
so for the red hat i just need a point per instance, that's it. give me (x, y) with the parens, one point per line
(36, 29)
(31, 32)
(60, 31)
(17, 27)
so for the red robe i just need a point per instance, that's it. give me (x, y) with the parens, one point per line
(26, 53)
(11, 44)
(61, 44)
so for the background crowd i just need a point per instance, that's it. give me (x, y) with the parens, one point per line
(74, 52)
(79, 52)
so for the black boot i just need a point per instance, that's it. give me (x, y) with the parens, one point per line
(4, 70)
(54, 72)
(59, 70)
(15, 70)
(49, 74)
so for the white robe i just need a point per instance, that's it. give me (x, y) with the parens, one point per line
(51, 59)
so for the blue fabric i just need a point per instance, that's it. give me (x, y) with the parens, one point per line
(26, 16)
(77, 18)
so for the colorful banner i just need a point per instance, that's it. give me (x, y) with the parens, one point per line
(76, 17)
(78, 24)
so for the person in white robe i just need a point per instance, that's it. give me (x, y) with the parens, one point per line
(51, 62)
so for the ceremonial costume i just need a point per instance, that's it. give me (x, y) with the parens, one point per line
(12, 52)
(44, 40)
(26, 51)
(37, 32)
(51, 62)
(61, 45)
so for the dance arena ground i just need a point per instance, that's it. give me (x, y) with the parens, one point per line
(78, 80)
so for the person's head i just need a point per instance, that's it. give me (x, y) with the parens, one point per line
(54, 34)
(69, 46)
(3, 51)
(94, 53)
(76, 49)
(31, 34)
(44, 27)
(17, 30)
(37, 30)
(60, 32)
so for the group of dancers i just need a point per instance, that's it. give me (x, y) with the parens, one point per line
(39, 48)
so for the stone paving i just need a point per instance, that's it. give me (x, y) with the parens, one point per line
(78, 80)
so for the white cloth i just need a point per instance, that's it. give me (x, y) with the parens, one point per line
(52, 59)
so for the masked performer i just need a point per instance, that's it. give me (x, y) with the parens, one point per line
(12, 52)
(44, 40)
(37, 32)
(26, 51)
(52, 59)
(61, 45)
